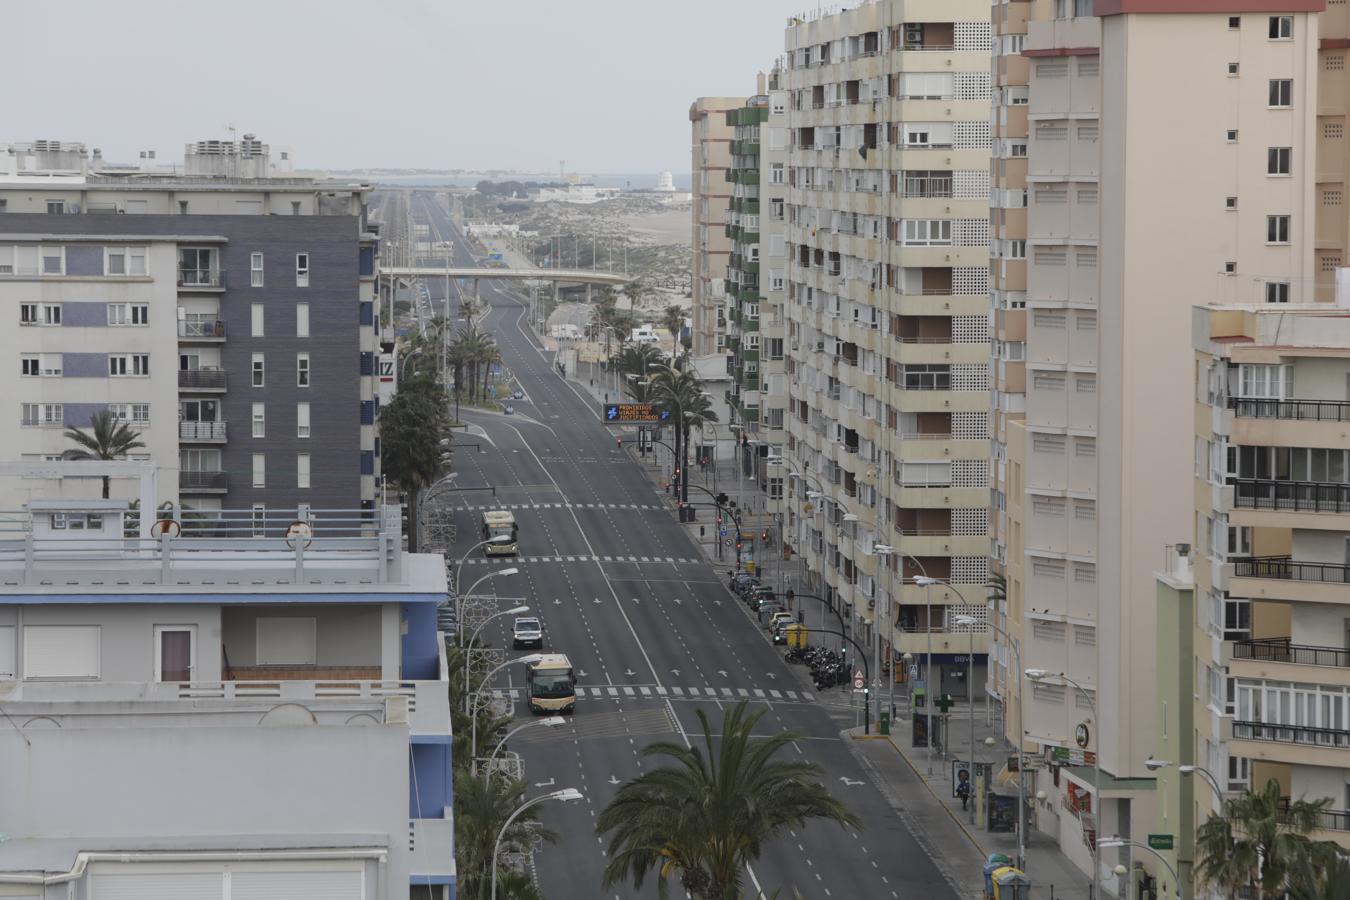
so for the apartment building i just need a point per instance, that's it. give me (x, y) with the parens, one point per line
(887, 446)
(756, 278)
(178, 726)
(1092, 310)
(710, 161)
(229, 319)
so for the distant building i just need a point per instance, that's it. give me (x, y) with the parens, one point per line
(220, 714)
(665, 182)
(710, 160)
(230, 319)
(574, 193)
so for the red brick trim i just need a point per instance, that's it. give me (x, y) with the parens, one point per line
(1063, 51)
(1126, 7)
(1335, 44)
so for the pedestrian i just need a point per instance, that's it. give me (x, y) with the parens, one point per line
(963, 787)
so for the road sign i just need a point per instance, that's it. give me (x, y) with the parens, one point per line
(721, 532)
(635, 412)
(1160, 841)
(1072, 756)
(944, 702)
(913, 671)
(858, 682)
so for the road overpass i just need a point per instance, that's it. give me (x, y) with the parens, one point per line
(573, 276)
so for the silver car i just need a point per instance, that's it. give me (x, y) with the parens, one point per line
(527, 632)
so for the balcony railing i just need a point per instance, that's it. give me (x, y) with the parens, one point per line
(1299, 410)
(1293, 496)
(201, 278)
(201, 431)
(1282, 650)
(1328, 819)
(212, 379)
(192, 480)
(1291, 734)
(199, 329)
(1289, 569)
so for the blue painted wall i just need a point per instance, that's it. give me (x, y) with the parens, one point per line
(421, 656)
(84, 365)
(84, 259)
(430, 784)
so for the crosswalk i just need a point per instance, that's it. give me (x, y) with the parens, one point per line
(563, 505)
(512, 560)
(683, 692)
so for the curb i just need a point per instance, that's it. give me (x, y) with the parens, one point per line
(962, 825)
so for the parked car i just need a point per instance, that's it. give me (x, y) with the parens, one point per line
(509, 409)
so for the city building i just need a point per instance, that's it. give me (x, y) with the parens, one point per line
(887, 445)
(263, 287)
(755, 280)
(711, 159)
(1091, 304)
(197, 712)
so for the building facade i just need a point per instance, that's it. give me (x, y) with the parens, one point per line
(231, 322)
(887, 445)
(710, 159)
(277, 727)
(1091, 304)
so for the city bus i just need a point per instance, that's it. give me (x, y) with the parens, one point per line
(495, 522)
(553, 686)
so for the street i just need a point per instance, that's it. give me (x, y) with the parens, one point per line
(653, 632)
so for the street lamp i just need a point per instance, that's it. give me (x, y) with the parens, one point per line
(468, 595)
(1021, 737)
(468, 646)
(495, 539)
(885, 551)
(565, 795)
(925, 582)
(403, 366)
(550, 722)
(1116, 841)
(1041, 675)
(471, 708)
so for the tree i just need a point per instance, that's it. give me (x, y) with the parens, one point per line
(1331, 881)
(707, 815)
(1258, 841)
(412, 427)
(107, 438)
(672, 319)
(682, 391)
(482, 806)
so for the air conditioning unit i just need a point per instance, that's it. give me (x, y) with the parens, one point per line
(396, 710)
(913, 34)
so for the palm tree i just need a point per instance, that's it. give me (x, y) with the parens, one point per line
(635, 362)
(1259, 840)
(672, 319)
(107, 438)
(707, 815)
(412, 427)
(690, 407)
(1309, 881)
(482, 807)
(998, 588)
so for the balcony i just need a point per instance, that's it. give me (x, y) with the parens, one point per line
(1290, 580)
(199, 482)
(201, 279)
(202, 432)
(1290, 496)
(1337, 738)
(202, 330)
(1281, 650)
(1293, 410)
(1284, 567)
(203, 379)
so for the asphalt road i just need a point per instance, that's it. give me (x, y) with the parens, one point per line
(655, 635)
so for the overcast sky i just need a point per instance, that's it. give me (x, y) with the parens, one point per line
(512, 84)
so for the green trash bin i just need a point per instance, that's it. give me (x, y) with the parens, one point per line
(885, 722)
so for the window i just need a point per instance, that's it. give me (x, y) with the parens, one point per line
(1277, 292)
(125, 261)
(1265, 382)
(776, 173)
(1230, 267)
(259, 470)
(1235, 22)
(135, 413)
(1232, 69)
(258, 370)
(302, 420)
(53, 260)
(255, 266)
(302, 470)
(302, 320)
(37, 364)
(1277, 229)
(42, 414)
(128, 314)
(927, 232)
(129, 364)
(302, 270)
(30, 366)
(259, 421)
(61, 651)
(1278, 160)
(1231, 135)
(1230, 203)
(56, 207)
(302, 370)
(1281, 28)
(1281, 92)
(257, 320)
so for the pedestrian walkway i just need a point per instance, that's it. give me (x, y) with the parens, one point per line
(513, 560)
(519, 506)
(673, 692)
(923, 789)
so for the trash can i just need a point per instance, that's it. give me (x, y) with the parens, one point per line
(885, 722)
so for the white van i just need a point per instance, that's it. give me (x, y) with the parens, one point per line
(643, 335)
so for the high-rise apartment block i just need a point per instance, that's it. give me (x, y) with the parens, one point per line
(1103, 238)
(711, 160)
(225, 314)
(887, 451)
(756, 279)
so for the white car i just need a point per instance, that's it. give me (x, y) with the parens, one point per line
(527, 632)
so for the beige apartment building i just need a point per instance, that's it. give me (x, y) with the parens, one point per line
(1103, 238)
(710, 156)
(887, 448)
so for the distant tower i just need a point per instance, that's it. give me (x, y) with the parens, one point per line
(665, 182)
(562, 170)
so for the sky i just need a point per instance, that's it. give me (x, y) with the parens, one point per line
(471, 84)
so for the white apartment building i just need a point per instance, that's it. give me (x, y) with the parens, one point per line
(887, 447)
(710, 159)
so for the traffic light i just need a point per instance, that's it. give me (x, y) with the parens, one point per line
(722, 499)
(738, 545)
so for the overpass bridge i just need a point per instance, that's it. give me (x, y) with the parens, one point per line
(572, 276)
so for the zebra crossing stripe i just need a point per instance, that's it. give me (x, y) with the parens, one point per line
(679, 692)
(775, 695)
(726, 691)
(743, 692)
(759, 693)
(670, 559)
(596, 692)
(646, 559)
(806, 695)
(661, 690)
(628, 692)
(581, 692)
(646, 691)
(791, 695)
(614, 692)
(710, 692)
